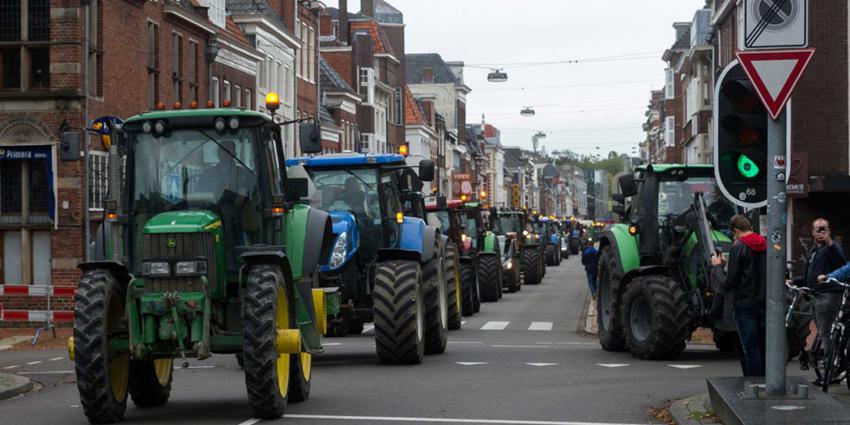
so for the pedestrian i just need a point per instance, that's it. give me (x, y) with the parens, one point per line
(744, 281)
(590, 260)
(824, 257)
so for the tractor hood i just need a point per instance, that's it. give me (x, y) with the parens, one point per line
(182, 222)
(342, 250)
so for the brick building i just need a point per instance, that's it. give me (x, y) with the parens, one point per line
(339, 110)
(674, 93)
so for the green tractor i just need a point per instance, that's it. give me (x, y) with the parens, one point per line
(654, 285)
(450, 218)
(203, 251)
(485, 245)
(550, 235)
(522, 261)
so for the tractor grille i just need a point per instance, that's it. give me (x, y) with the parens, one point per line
(187, 246)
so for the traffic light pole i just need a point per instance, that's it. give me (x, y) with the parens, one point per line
(776, 217)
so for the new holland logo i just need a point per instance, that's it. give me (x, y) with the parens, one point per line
(2, 152)
(172, 243)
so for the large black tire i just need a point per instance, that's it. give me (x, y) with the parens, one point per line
(437, 311)
(399, 310)
(531, 266)
(98, 316)
(610, 328)
(468, 282)
(488, 281)
(499, 273)
(476, 290)
(655, 309)
(267, 301)
(551, 256)
(512, 282)
(150, 382)
(454, 286)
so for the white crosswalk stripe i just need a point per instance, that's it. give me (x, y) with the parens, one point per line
(540, 326)
(495, 326)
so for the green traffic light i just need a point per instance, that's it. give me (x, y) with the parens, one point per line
(747, 167)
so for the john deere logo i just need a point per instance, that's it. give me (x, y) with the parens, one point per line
(2, 152)
(171, 243)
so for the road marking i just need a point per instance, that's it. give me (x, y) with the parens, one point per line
(47, 372)
(14, 366)
(56, 359)
(471, 363)
(613, 365)
(495, 326)
(34, 363)
(542, 364)
(250, 421)
(540, 326)
(685, 366)
(331, 344)
(466, 342)
(435, 420)
(518, 346)
(368, 328)
(576, 343)
(195, 367)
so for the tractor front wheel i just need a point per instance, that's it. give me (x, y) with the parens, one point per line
(399, 312)
(454, 286)
(437, 311)
(150, 382)
(488, 277)
(608, 303)
(656, 312)
(531, 266)
(269, 311)
(102, 374)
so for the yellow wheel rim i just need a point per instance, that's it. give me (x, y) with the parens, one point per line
(457, 289)
(117, 367)
(306, 365)
(163, 368)
(282, 321)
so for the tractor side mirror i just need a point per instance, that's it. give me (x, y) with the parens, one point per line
(629, 185)
(619, 198)
(311, 137)
(426, 170)
(619, 210)
(442, 203)
(409, 181)
(298, 184)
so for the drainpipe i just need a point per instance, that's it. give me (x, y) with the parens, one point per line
(86, 195)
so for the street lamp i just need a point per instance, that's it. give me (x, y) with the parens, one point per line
(497, 76)
(527, 111)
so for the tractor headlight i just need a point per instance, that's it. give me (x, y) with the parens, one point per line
(156, 268)
(509, 264)
(525, 232)
(338, 254)
(190, 267)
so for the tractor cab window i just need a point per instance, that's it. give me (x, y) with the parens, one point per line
(440, 219)
(508, 223)
(472, 231)
(391, 204)
(675, 197)
(198, 169)
(349, 190)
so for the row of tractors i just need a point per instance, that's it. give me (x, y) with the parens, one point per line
(214, 243)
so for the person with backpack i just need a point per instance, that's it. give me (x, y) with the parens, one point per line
(745, 282)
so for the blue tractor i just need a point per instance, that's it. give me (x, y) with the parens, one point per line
(385, 266)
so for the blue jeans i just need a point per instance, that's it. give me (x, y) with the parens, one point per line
(751, 332)
(591, 282)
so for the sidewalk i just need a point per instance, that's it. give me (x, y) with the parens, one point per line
(12, 385)
(17, 339)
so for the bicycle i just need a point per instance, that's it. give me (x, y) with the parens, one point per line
(836, 356)
(796, 337)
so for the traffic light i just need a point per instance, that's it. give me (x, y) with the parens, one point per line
(740, 156)
(515, 195)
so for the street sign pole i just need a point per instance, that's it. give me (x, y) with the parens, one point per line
(776, 216)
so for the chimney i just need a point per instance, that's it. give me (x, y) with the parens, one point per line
(343, 22)
(428, 75)
(367, 7)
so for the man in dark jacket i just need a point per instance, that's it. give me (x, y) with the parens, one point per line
(590, 260)
(744, 281)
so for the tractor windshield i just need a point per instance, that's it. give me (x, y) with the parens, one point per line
(440, 219)
(189, 169)
(354, 190)
(508, 223)
(675, 197)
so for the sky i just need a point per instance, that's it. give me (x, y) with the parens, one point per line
(598, 101)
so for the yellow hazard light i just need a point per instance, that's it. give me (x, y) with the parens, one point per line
(272, 102)
(483, 194)
(278, 211)
(633, 230)
(112, 217)
(399, 217)
(403, 150)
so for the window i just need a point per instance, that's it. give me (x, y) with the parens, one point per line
(98, 179)
(226, 95)
(669, 84)
(367, 85)
(216, 93)
(311, 61)
(398, 106)
(274, 74)
(298, 52)
(237, 96)
(22, 65)
(95, 58)
(670, 131)
(153, 64)
(193, 70)
(177, 64)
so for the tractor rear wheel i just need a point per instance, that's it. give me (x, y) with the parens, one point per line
(467, 283)
(150, 382)
(531, 266)
(399, 310)
(269, 310)
(655, 309)
(488, 278)
(608, 303)
(455, 286)
(437, 311)
(102, 376)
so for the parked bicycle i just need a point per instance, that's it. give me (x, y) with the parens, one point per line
(800, 313)
(836, 355)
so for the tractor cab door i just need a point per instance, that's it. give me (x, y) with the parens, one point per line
(391, 209)
(644, 215)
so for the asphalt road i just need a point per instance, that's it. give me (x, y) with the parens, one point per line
(520, 361)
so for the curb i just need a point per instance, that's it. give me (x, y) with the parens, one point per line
(13, 385)
(688, 411)
(585, 323)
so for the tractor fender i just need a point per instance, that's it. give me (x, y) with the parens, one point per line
(624, 247)
(644, 271)
(309, 238)
(118, 270)
(414, 237)
(270, 256)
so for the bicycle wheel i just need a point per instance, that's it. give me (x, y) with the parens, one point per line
(831, 360)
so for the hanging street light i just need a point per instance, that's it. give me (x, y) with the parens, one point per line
(527, 111)
(497, 76)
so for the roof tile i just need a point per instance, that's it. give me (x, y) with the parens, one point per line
(413, 115)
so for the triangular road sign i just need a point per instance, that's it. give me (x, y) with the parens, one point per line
(775, 74)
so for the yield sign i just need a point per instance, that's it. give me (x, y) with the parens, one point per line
(775, 74)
